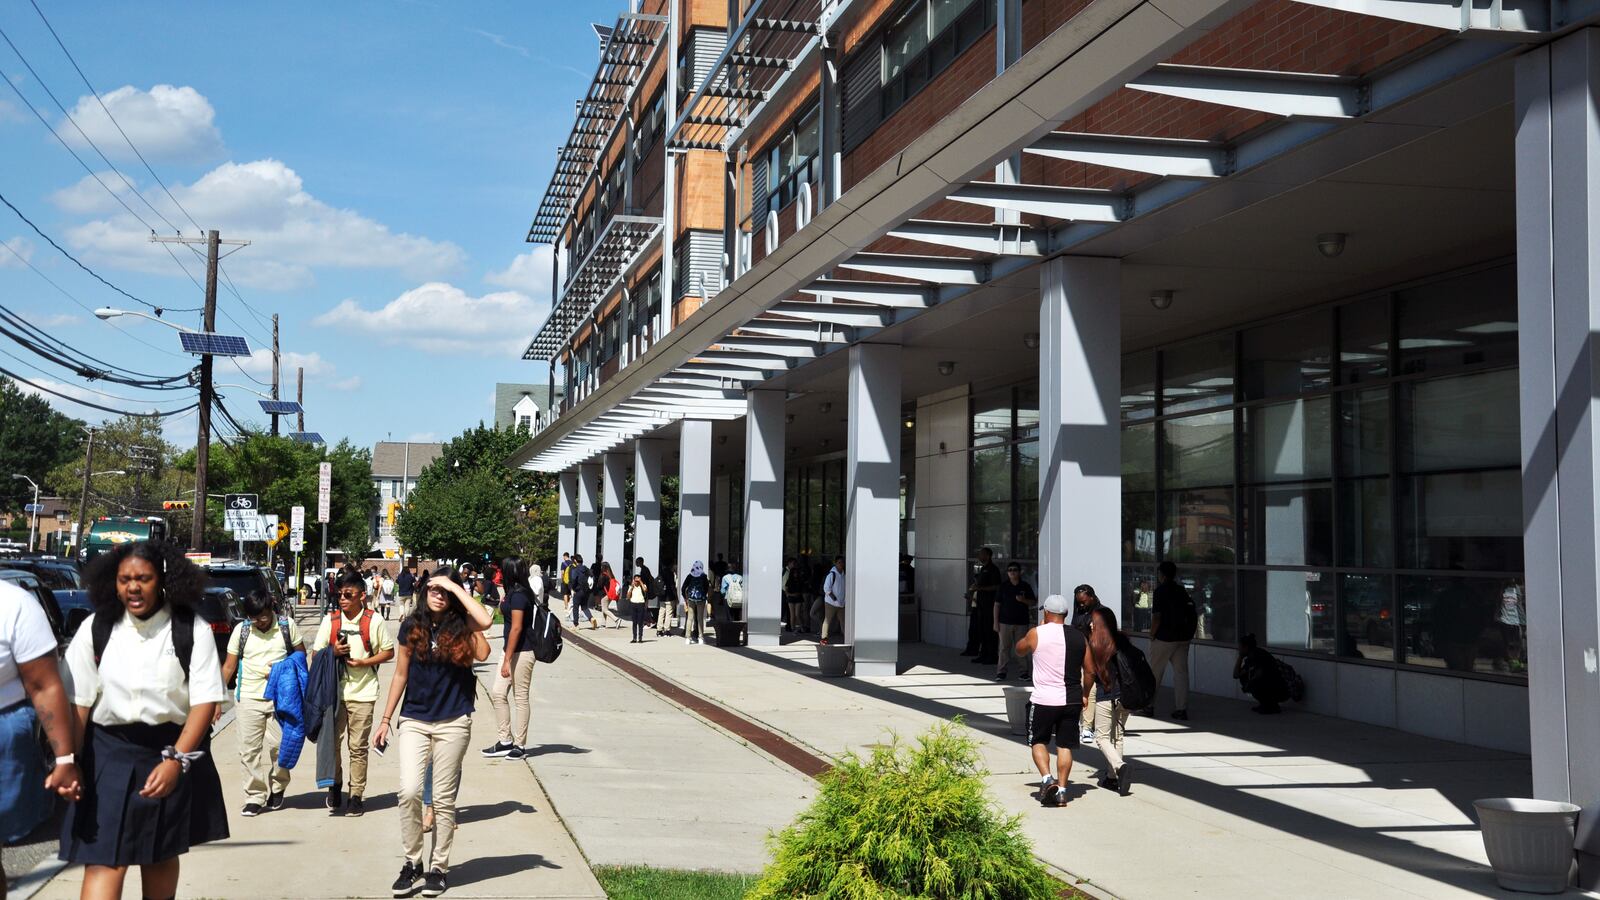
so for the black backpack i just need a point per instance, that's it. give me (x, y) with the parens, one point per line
(543, 634)
(1188, 617)
(182, 636)
(1136, 683)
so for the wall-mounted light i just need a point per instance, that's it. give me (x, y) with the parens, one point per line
(1031, 340)
(947, 367)
(824, 406)
(911, 423)
(1331, 244)
(1161, 299)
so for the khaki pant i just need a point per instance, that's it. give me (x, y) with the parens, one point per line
(694, 619)
(509, 697)
(353, 725)
(1177, 653)
(1009, 635)
(1110, 718)
(830, 615)
(443, 744)
(259, 737)
(664, 617)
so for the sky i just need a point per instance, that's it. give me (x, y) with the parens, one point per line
(383, 159)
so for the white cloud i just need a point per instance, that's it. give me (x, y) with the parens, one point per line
(19, 247)
(291, 232)
(320, 373)
(51, 320)
(353, 383)
(165, 123)
(500, 41)
(9, 112)
(441, 318)
(528, 272)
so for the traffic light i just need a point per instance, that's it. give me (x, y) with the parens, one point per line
(176, 504)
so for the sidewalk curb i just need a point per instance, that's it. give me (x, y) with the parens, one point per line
(654, 680)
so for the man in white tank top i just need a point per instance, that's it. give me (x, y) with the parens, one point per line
(1063, 673)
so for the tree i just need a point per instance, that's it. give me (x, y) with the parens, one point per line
(132, 444)
(461, 517)
(34, 440)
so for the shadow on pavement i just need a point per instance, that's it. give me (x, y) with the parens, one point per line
(483, 813)
(548, 749)
(484, 869)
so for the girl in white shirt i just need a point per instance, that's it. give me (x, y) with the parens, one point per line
(150, 790)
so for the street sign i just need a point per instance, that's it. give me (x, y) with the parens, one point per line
(33, 507)
(297, 523)
(324, 490)
(297, 542)
(269, 529)
(239, 512)
(242, 502)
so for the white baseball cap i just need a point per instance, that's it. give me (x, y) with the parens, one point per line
(1055, 603)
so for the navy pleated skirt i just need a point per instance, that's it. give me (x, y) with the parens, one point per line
(113, 826)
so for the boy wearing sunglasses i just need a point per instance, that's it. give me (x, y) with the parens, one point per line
(362, 640)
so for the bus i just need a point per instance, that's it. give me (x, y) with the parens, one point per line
(108, 531)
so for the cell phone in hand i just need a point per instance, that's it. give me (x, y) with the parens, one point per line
(379, 746)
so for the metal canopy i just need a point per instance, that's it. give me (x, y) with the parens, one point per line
(619, 245)
(1528, 17)
(932, 269)
(1153, 156)
(993, 238)
(622, 61)
(1069, 204)
(1278, 93)
(768, 42)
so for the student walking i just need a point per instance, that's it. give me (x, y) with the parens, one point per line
(433, 675)
(1173, 621)
(983, 641)
(696, 593)
(362, 642)
(1013, 615)
(254, 647)
(666, 599)
(795, 587)
(386, 593)
(513, 681)
(146, 683)
(1110, 716)
(833, 597)
(607, 591)
(32, 699)
(1063, 671)
(577, 576)
(1084, 603)
(637, 609)
(405, 588)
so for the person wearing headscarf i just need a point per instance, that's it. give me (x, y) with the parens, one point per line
(696, 596)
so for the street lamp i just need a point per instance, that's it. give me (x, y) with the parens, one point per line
(33, 518)
(107, 472)
(107, 312)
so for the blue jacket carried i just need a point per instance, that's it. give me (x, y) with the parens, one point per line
(286, 688)
(322, 708)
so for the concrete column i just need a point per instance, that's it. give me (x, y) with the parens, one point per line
(721, 495)
(567, 515)
(588, 523)
(612, 499)
(694, 494)
(1080, 435)
(872, 504)
(763, 516)
(1558, 308)
(647, 503)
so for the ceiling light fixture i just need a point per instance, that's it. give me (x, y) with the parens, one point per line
(947, 367)
(1331, 244)
(1031, 340)
(1161, 299)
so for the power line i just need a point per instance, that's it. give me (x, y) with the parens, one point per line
(121, 412)
(113, 119)
(79, 303)
(62, 250)
(247, 374)
(78, 362)
(91, 390)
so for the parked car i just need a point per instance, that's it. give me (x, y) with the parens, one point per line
(61, 578)
(30, 582)
(219, 607)
(242, 578)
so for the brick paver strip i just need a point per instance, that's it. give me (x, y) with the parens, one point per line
(775, 745)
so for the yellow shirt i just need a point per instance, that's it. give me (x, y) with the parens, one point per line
(262, 649)
(360, 684)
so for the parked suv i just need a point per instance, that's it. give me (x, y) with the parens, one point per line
(242, 578)
(30, 582)
(60, 577)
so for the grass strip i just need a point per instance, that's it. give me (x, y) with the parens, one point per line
(643, 883)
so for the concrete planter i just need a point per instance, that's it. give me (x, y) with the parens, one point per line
(834, 660)
(730, 633)
(1529, 842)
(1017, 698)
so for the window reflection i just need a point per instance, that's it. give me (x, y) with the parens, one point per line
(1199, 526)
(1290, 609)
(1198, 376)
(1368, 617)
(1287, 357)
(1465, 624)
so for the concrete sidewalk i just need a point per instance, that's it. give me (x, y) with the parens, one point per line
(1229, 804)
(639, 781)
(509, 841)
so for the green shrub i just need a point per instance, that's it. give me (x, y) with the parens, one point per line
(906, 822)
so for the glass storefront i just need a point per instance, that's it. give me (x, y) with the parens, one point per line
(1343, 481)
(1003, 484)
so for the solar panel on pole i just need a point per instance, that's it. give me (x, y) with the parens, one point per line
(279, 407)
(307, 437)
(205, 343)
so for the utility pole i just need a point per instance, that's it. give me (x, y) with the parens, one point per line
(202, 450)
(300, 397)
(274, 370)
(83, 504)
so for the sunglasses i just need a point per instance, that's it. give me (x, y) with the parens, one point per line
(352, 595)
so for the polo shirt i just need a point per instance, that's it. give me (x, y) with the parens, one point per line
(138, 678)
(360, 685)
(262, 651)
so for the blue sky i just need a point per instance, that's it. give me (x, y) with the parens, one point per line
(384, 159)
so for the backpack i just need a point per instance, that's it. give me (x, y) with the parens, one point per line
(1294, 685)
(695, 590)
(1136, 683)
(366, 629)
(182, 636)
(735, 593)
(244, 635)
(543, 634)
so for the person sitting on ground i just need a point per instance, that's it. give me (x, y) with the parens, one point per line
(254, 647)
(1259, 676)
(363, 641)
(1063, 672)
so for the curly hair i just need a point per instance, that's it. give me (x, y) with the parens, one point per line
(178, 581)
(451, 633)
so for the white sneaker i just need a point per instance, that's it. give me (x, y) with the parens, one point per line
(1086, 736)
(1046, 782)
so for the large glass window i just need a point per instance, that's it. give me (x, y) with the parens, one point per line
(1345, 481)
(792, 161)
(924, 40)
(1003, 479)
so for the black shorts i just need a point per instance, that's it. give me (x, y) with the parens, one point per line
(1059, 722)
